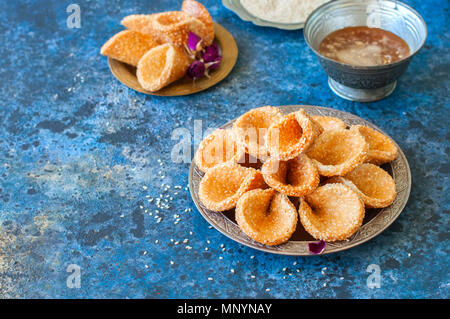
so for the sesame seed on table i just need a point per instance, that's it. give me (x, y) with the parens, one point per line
(87, 177)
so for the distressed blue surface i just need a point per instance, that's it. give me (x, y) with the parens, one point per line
(79, 156)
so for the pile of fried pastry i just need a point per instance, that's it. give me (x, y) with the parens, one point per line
(155, 43)
(269, 161)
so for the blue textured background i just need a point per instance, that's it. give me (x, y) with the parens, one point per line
(79, 160)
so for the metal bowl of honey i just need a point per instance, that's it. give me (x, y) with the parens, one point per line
(364, 46)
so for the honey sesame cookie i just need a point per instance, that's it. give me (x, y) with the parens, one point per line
(223, 184)
(161, 66)
(216, 148)
(296, 177)
(332, 212)
(197, 10)
(292, 135)
(329, 122)
(266, 216)
(128, 46)
(168, 27)
(373, 184)
(337, 152)
(251, 129)
(381, 148)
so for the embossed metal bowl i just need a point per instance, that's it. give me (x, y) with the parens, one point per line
(375, 220)
(357, 83)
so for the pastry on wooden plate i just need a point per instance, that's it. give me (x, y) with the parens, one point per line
(169, 27)
(128, 46)
(332, 212)
(337, 152)
(266, 216)
(161, 66)
(329, 122)
(223, 184)
(292, 135)
(216, 148)
(381, 148)
(251, 129)
(197, 10)
(296, 177)
(372, 183)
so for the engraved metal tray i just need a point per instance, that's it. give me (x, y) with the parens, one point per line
(375, 220)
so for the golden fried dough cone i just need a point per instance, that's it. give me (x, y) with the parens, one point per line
(296, 177)
(373, 184)
(197, 10)
(251, 128)
(332, 212)
(381, 148)
(337, 152)
(128, 46)
(329, 122)
(161, 66)
(168, 27)
(216, 148)
(223, 184)
(292, 135)
(266, 216)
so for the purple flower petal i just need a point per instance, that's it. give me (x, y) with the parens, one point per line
(215, 64)
(317, 248)
(211, 53)
(196, 70)
(193, 41)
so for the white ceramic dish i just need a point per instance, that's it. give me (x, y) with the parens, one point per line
(238, 8)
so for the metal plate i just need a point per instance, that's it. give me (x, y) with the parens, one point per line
(375, 220)
(238, 8)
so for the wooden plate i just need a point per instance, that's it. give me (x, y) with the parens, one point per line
(127, 74)
(375, 220)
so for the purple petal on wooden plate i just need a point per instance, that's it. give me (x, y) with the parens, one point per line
(316, 248)
(196, 70)
(193, 41)
(211, 53)
(215, 64)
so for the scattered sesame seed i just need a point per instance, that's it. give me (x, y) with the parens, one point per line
(145, 253)
(156, 241)
(232, 270)
(220, 257)
(171, 262)
(144, 188)
(251, 257)
(268, 289)
(146, 266)
(210, 279)
(325, 284)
